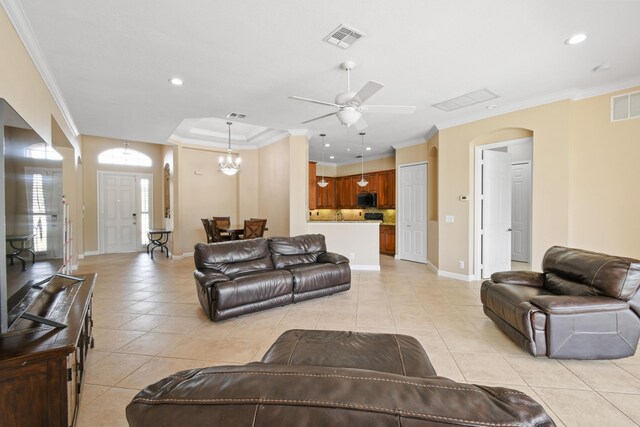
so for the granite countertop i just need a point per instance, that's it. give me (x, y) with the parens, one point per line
(353, 221)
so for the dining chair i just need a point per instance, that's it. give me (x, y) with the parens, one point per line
(223, 221)
(253, 228)
(217, 234)
(208, 230)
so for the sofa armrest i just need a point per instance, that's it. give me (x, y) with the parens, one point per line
(523, 278)
(570, 304)
(208, 277)
(333, 258)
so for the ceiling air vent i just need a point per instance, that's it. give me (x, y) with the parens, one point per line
(236, 116)
(624, 107)
(466, 100)
(344, 36)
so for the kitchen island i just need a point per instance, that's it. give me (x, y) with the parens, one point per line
(357, 240)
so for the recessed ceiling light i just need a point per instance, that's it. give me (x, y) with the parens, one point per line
(332, 157)
(601, 67)
(327, 145)
(348, 149)
(368, 148)
(575, 39)
(176, 81)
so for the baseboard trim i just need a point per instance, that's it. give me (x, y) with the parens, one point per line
(365, 267)
(432, 267)
(80, 256)
(91, 253)
(466, 278)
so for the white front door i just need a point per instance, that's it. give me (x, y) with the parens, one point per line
(412, 223)
(496, 212)
(118, 213)
(521, 212)
(44, 199)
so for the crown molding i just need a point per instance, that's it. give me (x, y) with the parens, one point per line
(571, 94)
(253, 144)
(415, 141)
(300, 132)
(25, 32)
(367, 159)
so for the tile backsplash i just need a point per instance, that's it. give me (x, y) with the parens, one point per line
(350, 214)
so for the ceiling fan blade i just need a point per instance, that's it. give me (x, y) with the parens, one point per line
(315, 101)
(394, 109)
(361, 124)
(318, 118)
(366, 92)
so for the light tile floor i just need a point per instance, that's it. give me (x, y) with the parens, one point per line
(149, 324)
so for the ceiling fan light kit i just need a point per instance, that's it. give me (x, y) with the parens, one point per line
(228, 166)
(350, 104)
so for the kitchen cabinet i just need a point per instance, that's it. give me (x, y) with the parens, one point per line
(312, 185)
(387, 189)
(326, 196)
(387, 239)
(372, 185)
(345, 192)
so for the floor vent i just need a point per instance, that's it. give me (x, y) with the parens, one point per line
(344, 36)
(624, 107)
(466, 100)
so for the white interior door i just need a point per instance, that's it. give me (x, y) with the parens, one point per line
(521, 212)
(118, 213)
(44, 199)
(413, 212)
(496, 212)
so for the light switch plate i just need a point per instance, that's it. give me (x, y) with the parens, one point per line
(449, 218)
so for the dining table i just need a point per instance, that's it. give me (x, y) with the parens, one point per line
(235, 230)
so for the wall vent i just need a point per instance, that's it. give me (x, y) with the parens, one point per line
(344, 36)
(624, 107)
(236, 116)
(466, 100)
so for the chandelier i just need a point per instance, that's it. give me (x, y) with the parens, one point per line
(322, 183)
(228, 166)
(363, 182)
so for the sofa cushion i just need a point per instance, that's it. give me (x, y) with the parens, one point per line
(274, 395)
(253, 288)
(235, 257)
(512, 304)
(310, 277)
(392, 353)
(305, 249)
(580, 273)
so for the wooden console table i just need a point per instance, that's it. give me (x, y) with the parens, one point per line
(42, 367)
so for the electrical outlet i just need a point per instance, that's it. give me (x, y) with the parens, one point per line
(460, 264)
(352, 256)
(317, 213)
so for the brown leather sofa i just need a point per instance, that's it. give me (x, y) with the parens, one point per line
(584, 305)
(243, 276)
(331, 378)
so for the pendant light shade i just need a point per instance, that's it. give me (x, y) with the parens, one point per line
(228, 166)
(322, 183)
(363, 182)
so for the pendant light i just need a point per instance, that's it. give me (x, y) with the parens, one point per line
(322, 183)
(228, 166)
(363, 182)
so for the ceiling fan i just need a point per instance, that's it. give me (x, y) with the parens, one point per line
(350, 104)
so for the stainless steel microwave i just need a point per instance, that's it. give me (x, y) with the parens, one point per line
(367, 200)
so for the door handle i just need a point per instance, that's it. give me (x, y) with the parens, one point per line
(135, 217)
(509, 229)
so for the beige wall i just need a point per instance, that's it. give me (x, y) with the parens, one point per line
(273, 194)
(604, 208)
(23, 88)
(92, 146)
(298, 184)
(551, 128)
(249, 187)
(375, 165)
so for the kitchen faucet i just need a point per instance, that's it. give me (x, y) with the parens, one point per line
(339, 213)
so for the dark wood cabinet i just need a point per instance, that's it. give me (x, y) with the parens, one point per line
(387, 239)
(387, 189)
(41, 369)
(345, 192)
(313, 187)
(326, 196)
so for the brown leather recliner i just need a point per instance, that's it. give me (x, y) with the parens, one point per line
(243, 276)
(585, 305)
